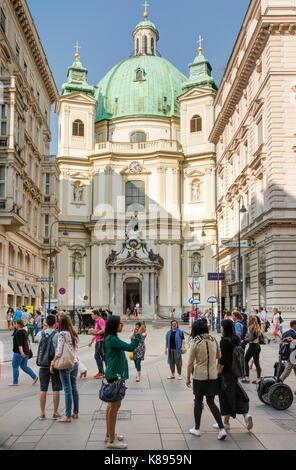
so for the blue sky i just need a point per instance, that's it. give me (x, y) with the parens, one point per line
(104, 30)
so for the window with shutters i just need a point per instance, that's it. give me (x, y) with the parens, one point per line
(78, 128)
(2, 182)
(196, 124)
(3, 120)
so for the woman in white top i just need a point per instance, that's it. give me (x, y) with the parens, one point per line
(276, 324)
(68, 376)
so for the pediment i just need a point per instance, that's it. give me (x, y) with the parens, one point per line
(78, 176)
(132, 261)
(79, 97)
(194, 173)
(196, 92)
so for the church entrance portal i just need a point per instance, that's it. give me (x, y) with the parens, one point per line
(132, 293)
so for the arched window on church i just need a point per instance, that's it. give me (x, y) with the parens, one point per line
(152, 46)
(138, 46)
(135, 196)
(138, 137)
(78, 128)
(196, 124)
(145, 45)
(139, 75)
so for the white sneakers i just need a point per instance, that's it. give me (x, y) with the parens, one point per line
(116, 445)
(195, 432)
(222, 435)
(226, 426)
(249, 422)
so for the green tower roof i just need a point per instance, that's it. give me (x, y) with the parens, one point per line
(77, 80)
(200, 74)
(140, 86)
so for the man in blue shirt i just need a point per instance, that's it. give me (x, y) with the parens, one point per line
(17, 315)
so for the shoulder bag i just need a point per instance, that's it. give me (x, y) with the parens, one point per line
(114, 391)
(66, 361)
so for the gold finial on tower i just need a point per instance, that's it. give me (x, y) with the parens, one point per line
(77, 55)
(145, 14)
(200, 41)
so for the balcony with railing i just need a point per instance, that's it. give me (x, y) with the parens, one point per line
(162, 145)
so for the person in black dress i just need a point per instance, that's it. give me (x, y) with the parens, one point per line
(234, 399)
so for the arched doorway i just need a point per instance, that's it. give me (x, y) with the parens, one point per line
(132, 293)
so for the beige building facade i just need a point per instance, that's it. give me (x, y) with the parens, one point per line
(28, 175)
(136, 184)
(254, 134)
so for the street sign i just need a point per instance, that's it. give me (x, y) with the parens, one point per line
(190, 300)
(62, 291)
(216, 276)
(212, 300)
(234, 243)
(45, 279)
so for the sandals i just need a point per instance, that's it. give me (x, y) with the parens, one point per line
(64, 419)
(75, 416)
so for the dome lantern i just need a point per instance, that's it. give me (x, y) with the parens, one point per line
(145, 36)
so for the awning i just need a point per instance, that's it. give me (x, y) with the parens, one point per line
(7, 289)
(45, 292)
(23, 289)
(31, 291)
(15, 288)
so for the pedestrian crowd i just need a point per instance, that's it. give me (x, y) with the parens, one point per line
(216, 368)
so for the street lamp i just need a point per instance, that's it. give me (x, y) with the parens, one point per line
(242, 210)
(50, 260)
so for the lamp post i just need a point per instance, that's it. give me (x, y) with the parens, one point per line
(50, 260)
(241, 210)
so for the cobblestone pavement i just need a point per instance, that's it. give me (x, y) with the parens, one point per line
(156, 414)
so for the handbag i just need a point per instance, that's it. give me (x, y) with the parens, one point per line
(30, 354)
(222, 386)
(131, 356)
(66, 361)
(114, 391)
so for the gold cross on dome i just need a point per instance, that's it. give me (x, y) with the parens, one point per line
(200, 41)
(77, 47)
(146, 12)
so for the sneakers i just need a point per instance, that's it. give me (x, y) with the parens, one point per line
(118, 437)
(116, 445)
(226, 426)
(35, 381)
(195, 432)
(249, 422)
(42, 417)
(99, 376)
(222, 435)
(12, 385)
(180, 377)
(56, 416)
(171, 377)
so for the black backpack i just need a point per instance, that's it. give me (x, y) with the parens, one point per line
(238, 362)
(46, 350)
(285, 350)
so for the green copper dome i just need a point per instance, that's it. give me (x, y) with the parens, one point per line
(140, 86)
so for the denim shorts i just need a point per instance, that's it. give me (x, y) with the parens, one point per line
(45, 376)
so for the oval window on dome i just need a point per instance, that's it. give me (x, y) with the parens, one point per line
(78, 128)
(196, 124)
(138, 137)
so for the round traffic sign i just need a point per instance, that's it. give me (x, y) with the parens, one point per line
(212, 300)
(62, 291)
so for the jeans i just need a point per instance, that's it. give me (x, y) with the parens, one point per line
(21, 362)
(99, 356)
(69, 381)
(138, 364)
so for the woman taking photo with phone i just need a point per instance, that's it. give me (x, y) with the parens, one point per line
(116, 365)
(139, 353)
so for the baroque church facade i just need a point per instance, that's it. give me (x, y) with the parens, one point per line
(137, 183)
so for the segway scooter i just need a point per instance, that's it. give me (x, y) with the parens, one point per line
(274, 393)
